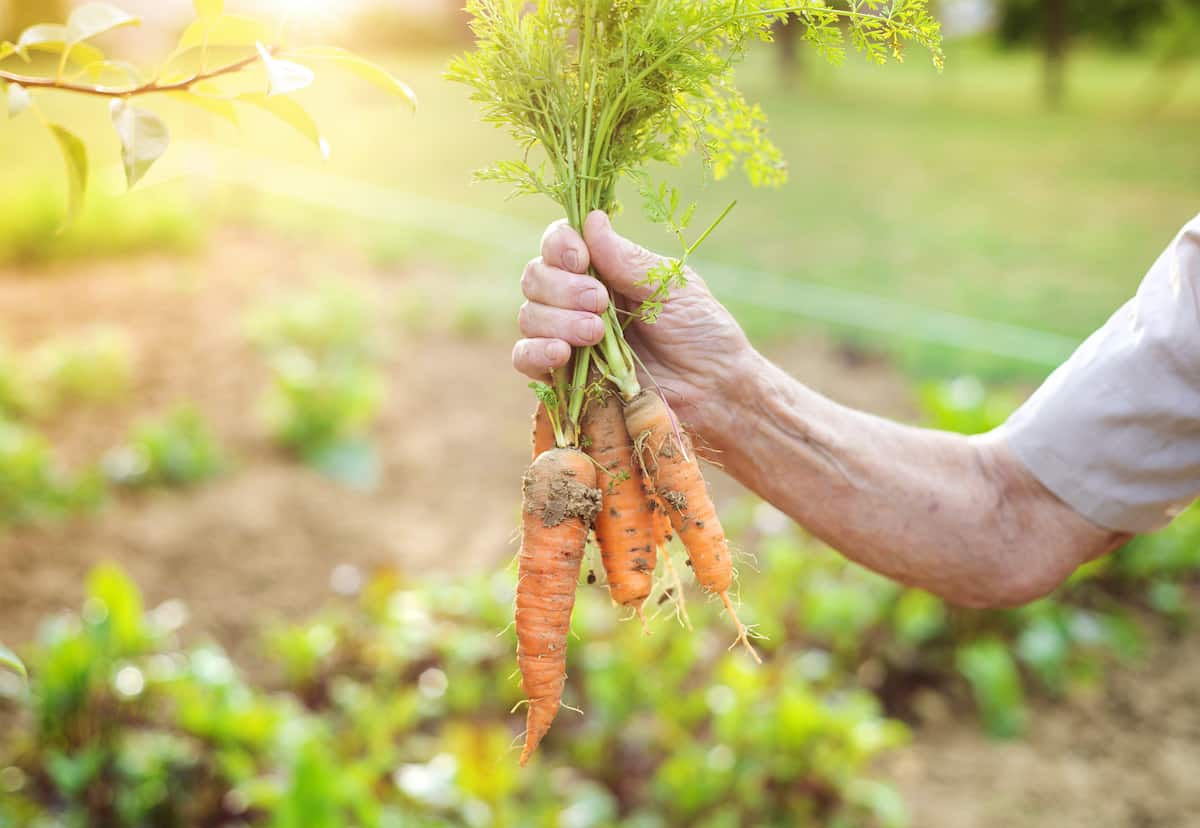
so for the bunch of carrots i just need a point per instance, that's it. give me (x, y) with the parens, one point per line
(593, 91)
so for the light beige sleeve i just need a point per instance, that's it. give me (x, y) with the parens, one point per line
(1115, 431)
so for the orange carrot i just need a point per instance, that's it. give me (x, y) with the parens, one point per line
(662, 521)
(560, 502)
(666, 452)
(543, 430)
(662, 538)
(625, 524)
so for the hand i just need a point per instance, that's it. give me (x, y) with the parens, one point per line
(694, 352)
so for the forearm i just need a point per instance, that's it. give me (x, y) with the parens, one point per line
(955, 515)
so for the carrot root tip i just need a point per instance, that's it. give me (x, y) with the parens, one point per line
(743, 636)
(642, 617)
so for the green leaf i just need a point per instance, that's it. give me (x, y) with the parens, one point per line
(19, 99)
(223, 30)
(291, 113)
(996, 685)
(122, 605)
(75, 154)
(217, 106)
(360, 66)
(42, 34)
(209, 8)
(53, 37)
(545, 395)
(144, 139)
(94, 19)
(9, 661)
(283, 76)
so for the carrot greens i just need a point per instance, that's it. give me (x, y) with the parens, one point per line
(596, 90)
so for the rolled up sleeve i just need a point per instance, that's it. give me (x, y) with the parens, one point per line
(1115, 431)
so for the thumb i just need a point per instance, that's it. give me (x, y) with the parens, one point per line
(621, 263)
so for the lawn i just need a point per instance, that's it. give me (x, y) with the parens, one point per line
(956, 193)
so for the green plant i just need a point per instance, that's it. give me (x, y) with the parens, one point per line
(213, 55)
(602, 88)
(911, 639)
(322, 410)
(996, 683)
(19, 395)
(330, 321)
(323, 349)
(10, 661)
(964, 405)
(31, 223)
(178, 449)
(33, 487)
(95, 366)
(393, 710)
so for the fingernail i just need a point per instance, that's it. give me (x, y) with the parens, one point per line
(557, 351)
(589, 330)
(594, 300)
(571, 259)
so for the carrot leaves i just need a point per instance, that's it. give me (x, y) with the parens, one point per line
(592, 91)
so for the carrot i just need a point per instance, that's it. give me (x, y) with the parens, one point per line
(662, 538)
(543, 430)
(667, 455)
(662, 521)
(560, 502)
(625, 524)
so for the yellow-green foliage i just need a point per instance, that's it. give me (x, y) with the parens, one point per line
(208, 68)
(601, 88)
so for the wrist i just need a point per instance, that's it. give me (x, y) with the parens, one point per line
(723, 409)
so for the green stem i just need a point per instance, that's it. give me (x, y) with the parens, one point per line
(583, 363)
(619, 357)
(566, 433)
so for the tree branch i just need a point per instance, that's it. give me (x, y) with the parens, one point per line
(30, 82)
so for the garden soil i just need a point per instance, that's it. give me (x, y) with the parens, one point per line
(263, 540)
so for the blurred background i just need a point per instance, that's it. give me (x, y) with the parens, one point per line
(260, 447)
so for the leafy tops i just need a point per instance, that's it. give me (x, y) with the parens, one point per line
(604, 86)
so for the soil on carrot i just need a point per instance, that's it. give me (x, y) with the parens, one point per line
(265, 537)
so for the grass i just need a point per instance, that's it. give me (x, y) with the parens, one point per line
(957, 192)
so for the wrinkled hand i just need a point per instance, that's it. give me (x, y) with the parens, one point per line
(693, 352)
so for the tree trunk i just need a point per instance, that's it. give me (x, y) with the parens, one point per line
(786, 34)
(1055, 39)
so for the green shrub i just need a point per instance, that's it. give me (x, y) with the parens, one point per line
(395, 709)
(93, 366)
(19, 392)
(330, 321)
(32, 232)
(327, 388)
(179, 449)
(33, 487)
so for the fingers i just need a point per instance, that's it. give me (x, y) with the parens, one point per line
(536, 358)
(563, 305)
(576, 328)
(559, 288)
(620, 262)
(563, 248)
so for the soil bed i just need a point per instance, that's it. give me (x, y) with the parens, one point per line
(263, 539)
